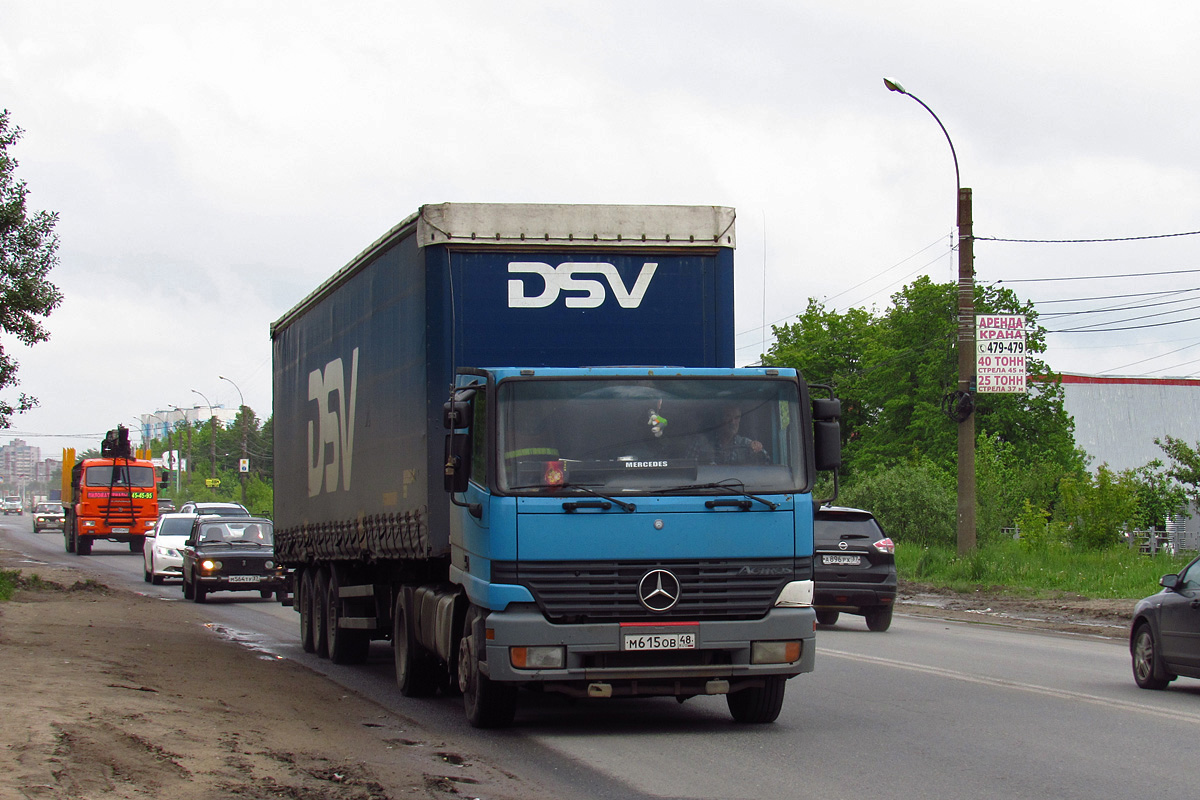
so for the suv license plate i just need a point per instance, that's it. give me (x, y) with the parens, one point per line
(660, 641)
(849, 561)
(243, 579)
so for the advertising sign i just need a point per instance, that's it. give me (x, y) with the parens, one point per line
(1000, 353)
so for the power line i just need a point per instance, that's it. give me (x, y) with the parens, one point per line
(1087, 241)
(1099, 277)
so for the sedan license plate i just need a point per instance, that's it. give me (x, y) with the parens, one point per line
(244, 579)
(847, 560)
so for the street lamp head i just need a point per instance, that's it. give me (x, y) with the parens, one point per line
(893, 86)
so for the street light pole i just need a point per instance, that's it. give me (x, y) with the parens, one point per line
(187, 424)
(963, 407)
(242, 411)
(212, 433)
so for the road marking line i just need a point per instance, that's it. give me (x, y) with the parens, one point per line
(1032, 688)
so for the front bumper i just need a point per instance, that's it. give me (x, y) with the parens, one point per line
(595, 662)
(50, 523)
(226, 583)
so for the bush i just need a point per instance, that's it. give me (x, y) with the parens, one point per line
(915, 502)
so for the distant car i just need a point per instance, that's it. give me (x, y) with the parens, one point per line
(165, 506)
(222, 509)
(47, 516)
(12, 505)
(1164, 637)
(231, 554)
(162, 555)
(854, 567)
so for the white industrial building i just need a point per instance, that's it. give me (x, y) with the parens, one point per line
(1117, 420)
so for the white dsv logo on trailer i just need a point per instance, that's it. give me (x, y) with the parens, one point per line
(334, 426)
(562, 278)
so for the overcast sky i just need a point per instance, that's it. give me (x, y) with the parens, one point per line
(213, 163)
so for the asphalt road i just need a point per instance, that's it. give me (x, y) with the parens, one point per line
(929, 709)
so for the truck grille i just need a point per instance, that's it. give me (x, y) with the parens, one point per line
(572, 592)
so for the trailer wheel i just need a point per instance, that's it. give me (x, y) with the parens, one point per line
(413, 669)
(320, 608)
(304, 595)
(488, 704)
(346, 646)
(759, 704)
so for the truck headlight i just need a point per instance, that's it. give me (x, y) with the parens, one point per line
(796, 594)
(537, 657)
(89, 523)
(774, 652)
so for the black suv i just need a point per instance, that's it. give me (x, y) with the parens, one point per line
(854, 567)
(231, 554)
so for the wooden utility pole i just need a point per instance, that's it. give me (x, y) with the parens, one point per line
(966, 373)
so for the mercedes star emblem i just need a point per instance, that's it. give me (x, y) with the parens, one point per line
(658, 590)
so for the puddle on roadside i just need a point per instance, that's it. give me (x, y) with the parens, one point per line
(253, 642)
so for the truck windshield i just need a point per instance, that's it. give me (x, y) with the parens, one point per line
(650, 435)
(126, 475)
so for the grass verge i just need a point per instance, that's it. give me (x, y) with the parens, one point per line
(1117, 573)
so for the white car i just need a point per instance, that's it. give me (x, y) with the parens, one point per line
(161, 556)
(12, 505)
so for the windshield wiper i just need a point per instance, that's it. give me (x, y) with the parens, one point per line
(584, 487)
(732, 486)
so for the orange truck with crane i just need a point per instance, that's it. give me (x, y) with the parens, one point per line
(113, 497)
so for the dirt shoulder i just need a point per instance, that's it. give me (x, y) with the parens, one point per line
(1062, 612)
(111, 694)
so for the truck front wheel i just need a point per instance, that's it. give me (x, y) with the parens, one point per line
(758, 704)
(488, 704)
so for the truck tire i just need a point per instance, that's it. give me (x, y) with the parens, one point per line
(69, 541)
(414, 670)
(827, 616)
(487, 703)
(758, 704)
(346, 645)
(304, 595)
(320, 606)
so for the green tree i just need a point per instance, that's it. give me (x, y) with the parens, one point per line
(914, 502)
(28, 251)
(1096, 509)
(1159, 495)
(893, 371)
(1185, 466)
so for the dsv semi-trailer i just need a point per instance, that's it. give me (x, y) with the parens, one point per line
(466, 465)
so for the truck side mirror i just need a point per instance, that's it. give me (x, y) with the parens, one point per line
(458, 462)
(827, 432)
(825, 409)
(457, 412)
(163, 480)
(827, 436)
